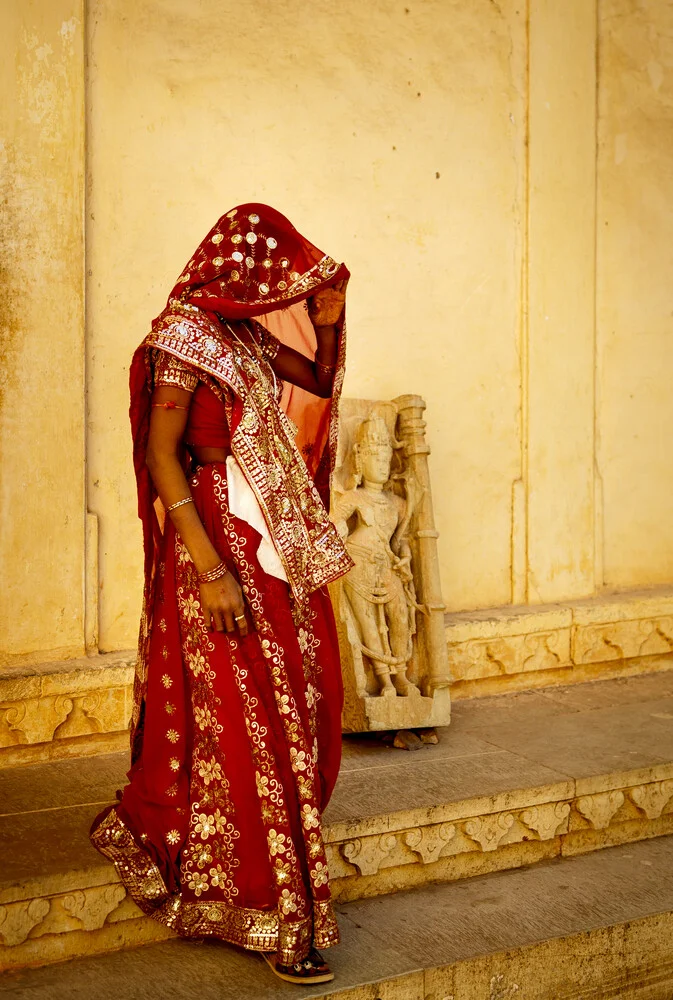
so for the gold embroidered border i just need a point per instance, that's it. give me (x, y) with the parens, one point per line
(256, 930)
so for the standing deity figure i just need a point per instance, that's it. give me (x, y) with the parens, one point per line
(373, 519)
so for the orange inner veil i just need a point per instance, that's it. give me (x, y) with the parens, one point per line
(310, 414)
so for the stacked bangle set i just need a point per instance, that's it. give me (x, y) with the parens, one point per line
(210, 575)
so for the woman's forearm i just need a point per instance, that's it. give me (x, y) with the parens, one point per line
(315, 376)
(326, 358)
(171, 485)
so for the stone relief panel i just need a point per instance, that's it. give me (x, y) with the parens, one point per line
(389, 608)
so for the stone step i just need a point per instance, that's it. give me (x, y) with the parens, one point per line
(516, 779)
(597, 927)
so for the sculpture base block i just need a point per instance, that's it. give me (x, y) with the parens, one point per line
(377, 714)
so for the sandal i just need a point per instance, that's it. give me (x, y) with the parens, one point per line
(313, 969)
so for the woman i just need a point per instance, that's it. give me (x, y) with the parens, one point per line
(236, 734)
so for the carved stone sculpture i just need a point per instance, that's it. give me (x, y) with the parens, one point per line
(389, 608)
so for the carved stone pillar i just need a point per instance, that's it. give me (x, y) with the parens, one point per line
(411, 430)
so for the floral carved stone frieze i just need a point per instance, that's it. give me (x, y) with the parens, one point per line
(599, 809)
(489, 831)
(429, 841)
(70, 700)
(92, 908)
(508, 641)
(368, 853)
(547, 820)
(17, 920)
(513, 654)
(652, 798)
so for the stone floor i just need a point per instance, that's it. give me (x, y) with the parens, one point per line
(494, 747)
(460, 941)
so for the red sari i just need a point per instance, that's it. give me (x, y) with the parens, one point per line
(236, 742)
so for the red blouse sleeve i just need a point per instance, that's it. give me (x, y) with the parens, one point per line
(168, 370)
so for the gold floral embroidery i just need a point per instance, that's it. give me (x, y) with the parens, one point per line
(277, 843)
(298, 759)
(173, 837)
(166, 681)
(283, 702)
(191, 608)
(262, 784)
(198, 883)
(172, 791)
(173, 735)
(309, 816)
(281, 871)
(196, 662)
(202, 717)
(174, 764)
(205, 826)
(305, 787)
(169, 708)
(209, 770)
(288, 902)
(204, 858)
(320, 874)
(218, 878)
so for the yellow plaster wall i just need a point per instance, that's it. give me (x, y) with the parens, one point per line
(509, 237)
(635, 289)
(393, 136)
(42, 329)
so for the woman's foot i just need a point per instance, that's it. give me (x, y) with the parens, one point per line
(313, 969)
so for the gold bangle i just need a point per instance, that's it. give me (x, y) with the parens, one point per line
(180, 503)
(213, 574)
(325, 368)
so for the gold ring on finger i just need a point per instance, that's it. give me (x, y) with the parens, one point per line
(239, 618)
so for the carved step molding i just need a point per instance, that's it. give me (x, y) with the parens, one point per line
(90, 913)
(518, 648)
(63, 709)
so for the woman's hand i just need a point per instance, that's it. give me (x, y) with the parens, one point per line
(222, 602)
(326, 306)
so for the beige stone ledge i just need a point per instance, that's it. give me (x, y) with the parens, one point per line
(88, 911)
(60, 709)
(517, 648)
